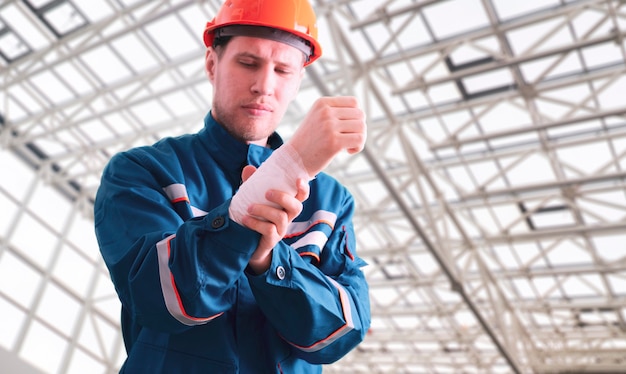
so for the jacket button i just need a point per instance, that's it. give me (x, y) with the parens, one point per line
(280, 272)
(217, 222)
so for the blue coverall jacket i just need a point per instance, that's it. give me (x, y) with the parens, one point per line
(178, 263)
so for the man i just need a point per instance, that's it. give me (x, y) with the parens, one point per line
(219, 276)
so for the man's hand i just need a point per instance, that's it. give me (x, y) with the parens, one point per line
(332, 125)
(271, 222)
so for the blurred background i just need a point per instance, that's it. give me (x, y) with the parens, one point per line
(491, 205)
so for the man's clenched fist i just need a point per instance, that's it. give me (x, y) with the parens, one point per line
(332, 125)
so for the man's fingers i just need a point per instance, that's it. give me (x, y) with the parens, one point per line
(348, 113)
(341, 101)
(303, 190)
(288, 204)
(247, 172)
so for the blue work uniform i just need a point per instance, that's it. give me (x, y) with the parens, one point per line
(179, 264)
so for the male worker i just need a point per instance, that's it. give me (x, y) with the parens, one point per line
(222, 267)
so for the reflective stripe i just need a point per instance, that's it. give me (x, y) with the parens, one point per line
(311, 254)
(177, 192)
(316, 238)
(320, 216)
(170, 294)
(198, 212)
(344, 298)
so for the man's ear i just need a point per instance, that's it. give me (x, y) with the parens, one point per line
(210, 60)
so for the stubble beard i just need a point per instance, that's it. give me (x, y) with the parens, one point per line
(245, 130)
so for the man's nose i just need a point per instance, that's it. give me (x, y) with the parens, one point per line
(264, 83)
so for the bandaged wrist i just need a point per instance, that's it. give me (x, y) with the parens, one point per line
(280, 171)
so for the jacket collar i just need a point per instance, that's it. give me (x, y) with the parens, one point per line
(231, 153)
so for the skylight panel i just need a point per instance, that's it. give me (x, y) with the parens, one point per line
(611, 92)
(494, 80)
(603, 55)
(542, 36)
(551, 217)
(65, 18)
(180, 104)
(18, 19)
(104, 298)
(195, 17)
(403, 31)
(545, 286)
(61, 17)
(128, 3)
(58, 308)
(43, 348)
(103, 63)
(617, 282)
(414, 33)
(508, 9)
(552, 67)
(9, 208)
(397, 75)
(40, 3)
(583, 286)
(74, 271)
(135, 53)
(532, 169)
(21, 176)
(172, 38)
(39, 248)
(378, 36)
(454, 17)
(12, 268)
(12, 46)
(56, 210)
(74, 77)
(443, 93)
(11, 322)
(96, 129)
(530, 255)
(478, 50)
(94, 10)
(385, 296)
(568, 253)
(55, 90)
(119, 122)
(150, 112)
(505, 256)
(610, 248)
(595, 156)
(503, 116)
(85, 363)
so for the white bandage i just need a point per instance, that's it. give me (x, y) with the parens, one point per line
(280, 171)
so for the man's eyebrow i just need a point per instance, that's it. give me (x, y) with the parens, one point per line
(248, 54)
(258, 58)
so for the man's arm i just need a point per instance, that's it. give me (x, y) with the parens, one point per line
(333, 125)
(321, 309)
(159, 263)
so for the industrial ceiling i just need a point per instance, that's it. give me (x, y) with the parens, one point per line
(491, 201)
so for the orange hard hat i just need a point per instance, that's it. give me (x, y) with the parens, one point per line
(292, 16)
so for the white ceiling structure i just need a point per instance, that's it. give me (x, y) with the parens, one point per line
(491, 194)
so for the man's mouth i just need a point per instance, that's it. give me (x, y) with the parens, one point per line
(258, 109)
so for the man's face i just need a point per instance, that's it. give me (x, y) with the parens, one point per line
(254, 81)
